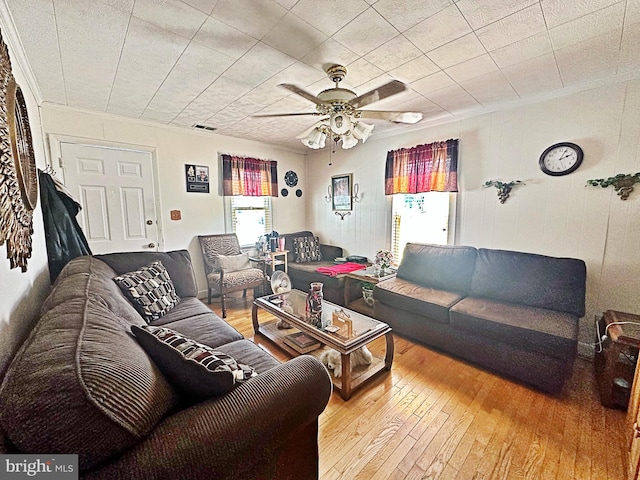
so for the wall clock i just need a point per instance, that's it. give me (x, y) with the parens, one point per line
(291, 178)
(561, 159)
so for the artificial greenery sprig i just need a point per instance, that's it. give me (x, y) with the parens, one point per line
(504, 188)
(622, 183)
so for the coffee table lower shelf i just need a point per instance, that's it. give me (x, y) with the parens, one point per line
(359, 375)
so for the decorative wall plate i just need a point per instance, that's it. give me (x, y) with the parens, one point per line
(284, 192)
(298, 193)
(291, 178)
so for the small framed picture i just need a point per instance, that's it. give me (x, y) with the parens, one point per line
(197, 177)
(342, 192)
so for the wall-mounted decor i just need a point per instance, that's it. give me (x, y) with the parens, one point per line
(197, 178)
(291, 178)
(18, 175)
(284, 192)
(504, 188)
(341, 192)
(298, 193)
(561, 159)
(622, 183)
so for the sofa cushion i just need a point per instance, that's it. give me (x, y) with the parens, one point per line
(530, 279)
(307, 249)
(193, 368)
(150, 290)
(442, 267)
(247, 352)
(177, 263)
(408, 296)
(80, 384)
(532, 329)
(234, 263)
(303, 274)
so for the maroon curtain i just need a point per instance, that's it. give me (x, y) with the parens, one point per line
(431, 167)
(249, 177)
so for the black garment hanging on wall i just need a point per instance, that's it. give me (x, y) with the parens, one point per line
(65, 239)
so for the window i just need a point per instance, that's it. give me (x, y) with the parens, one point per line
(419, 218)
(250, 218)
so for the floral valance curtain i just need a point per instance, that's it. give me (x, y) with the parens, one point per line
(431, 167)
(249, 177)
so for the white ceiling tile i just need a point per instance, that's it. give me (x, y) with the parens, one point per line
(254, 18)
(172, 15)
(405, 14)
(288, 4)
(124, 5)
(557, 12)
(361, 71)
(289, 28)
(432, 83)
(472, 68)
(418, 104)
(329, 53)
(443, 27)
(452, 99)
(632, 15)
(490, 88)
(513, 28)
(522, 50)
(329, 16)
(591, 59)
(629, 54)
(458, 51)
(602, 22)
(148, 56)
(394, 53)
(258, 64)
(365, 33)
(533, 76)
(223, 38)
(205, 6)
(163, 114)
(414, 70)
(480, 13)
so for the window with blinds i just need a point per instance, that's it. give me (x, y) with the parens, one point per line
(250, 218)
(419, 218)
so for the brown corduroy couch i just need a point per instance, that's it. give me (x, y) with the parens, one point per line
(513, 312)
(82, 384)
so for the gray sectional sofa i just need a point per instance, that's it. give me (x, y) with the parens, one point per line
(512, 312)
(82, 384)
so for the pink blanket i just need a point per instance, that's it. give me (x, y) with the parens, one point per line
(340, 268)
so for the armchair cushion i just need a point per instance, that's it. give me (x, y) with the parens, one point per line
(192, 367)
(234, 263)
(307, 249)
(150, 290)
(236, 280)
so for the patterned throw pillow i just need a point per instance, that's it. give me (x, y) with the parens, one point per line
(307, 249)
(150, 290)
(196, 369)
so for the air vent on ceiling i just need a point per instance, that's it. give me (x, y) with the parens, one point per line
(204, 127)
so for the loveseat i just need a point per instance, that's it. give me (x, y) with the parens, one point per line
(82, 384)
(512, 312)
(303, 273)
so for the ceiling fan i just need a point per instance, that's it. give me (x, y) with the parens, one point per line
(342, 110)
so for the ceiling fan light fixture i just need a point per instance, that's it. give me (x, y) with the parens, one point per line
(316, 139)
(348, 141)
(362, 131)
(340, 123)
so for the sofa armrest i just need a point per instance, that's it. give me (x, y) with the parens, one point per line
(329, 252)
(236, 435)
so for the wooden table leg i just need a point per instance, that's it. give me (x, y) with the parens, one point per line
(254, 318)
(345, 391)
(388, 358)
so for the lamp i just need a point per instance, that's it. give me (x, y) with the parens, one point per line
(339, 126)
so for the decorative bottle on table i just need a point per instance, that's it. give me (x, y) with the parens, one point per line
(314, 304)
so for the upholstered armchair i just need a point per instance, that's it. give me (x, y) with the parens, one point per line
(227, 268)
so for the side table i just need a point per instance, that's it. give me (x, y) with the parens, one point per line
(615, 364)
(366, 275)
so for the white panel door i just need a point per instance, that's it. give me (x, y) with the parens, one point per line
(115, 188)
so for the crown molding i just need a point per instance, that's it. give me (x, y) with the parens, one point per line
(11, 38)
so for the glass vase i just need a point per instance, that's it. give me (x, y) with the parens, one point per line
(314, 304)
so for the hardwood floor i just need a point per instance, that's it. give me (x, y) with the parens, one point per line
(434, 416)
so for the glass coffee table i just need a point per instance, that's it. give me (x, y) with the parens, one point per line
(290, 307)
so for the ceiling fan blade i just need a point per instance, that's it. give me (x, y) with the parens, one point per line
(386, 90)
(397, 117)
(302, 93)
(311, 128)
(262, 115)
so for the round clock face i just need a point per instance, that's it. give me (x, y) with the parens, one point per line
(291, 178)
(561, 159)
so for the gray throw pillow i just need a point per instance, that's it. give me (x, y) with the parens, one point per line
(196, 369)
(234, 263)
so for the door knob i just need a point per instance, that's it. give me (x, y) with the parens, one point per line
(152, 245)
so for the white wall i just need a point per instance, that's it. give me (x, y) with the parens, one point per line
(21, 294)
(173, 148)
(555, 216)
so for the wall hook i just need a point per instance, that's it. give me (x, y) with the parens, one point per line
(342, 214)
